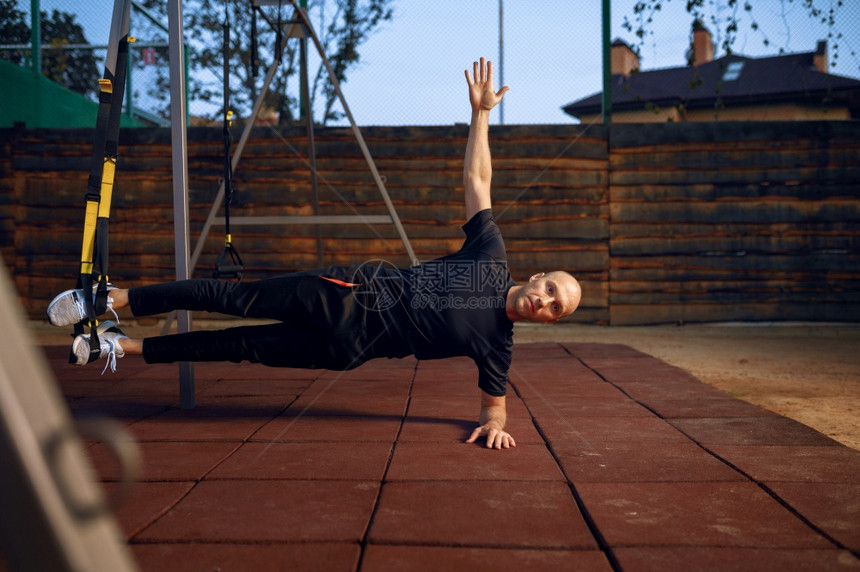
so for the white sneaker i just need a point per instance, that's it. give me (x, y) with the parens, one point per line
(68, 308)
(109, 336)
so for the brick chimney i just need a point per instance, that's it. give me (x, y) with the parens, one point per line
(703, 45)
(819, 59)
(624, 60)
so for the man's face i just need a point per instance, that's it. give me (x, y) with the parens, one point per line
(547, 297)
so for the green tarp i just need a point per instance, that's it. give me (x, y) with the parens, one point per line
(37, 102)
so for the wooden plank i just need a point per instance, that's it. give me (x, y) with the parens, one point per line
(743, 263)
(718, 175)
(695, 134)
(759, 190)
(622, 230)
(731, 157)
(733, 244)
(630, 314)
(733, 292)
(835, 210)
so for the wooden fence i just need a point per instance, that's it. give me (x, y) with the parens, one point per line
(661, 223)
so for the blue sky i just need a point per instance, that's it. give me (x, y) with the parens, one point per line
(411, 69)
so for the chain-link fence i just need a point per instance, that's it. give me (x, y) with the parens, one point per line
(402, 64)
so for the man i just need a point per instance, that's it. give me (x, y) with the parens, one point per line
(463, 304)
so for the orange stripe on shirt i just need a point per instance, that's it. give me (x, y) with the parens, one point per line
(340, 282)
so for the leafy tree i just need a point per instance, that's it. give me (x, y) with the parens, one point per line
(341, 25)
(75, 69)
(724, 19)
(723, 16)
(13, 30)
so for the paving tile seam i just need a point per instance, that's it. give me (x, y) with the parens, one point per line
(161, 513)
(190, 441)
(764, 482)
(238, 445)
(719, 546)
(489, 546)
(784, 503)
(475, 480)
(680, 430)
(327, 441)
(602, 543)
(239, 541)
(281, 480)
(656, 482)
(220, 462)
(363, 543)
(543, 435)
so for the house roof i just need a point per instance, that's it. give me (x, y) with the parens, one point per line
(775, 79)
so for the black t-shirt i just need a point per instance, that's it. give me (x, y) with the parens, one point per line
(450, 306)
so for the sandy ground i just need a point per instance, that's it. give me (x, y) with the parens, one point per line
(808, 372)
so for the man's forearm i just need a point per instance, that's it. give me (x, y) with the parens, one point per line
(477, 166)
(492, 423)
(493, 410)
(496, 415)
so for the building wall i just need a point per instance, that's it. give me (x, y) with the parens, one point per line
(661, 223)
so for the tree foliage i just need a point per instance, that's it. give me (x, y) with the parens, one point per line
(341, 25)
(74, 68)
(724, 17)
(13, 30)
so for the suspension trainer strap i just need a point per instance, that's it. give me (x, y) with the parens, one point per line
(229, 263)
(94, 248)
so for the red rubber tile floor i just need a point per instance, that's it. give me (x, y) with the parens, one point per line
(623, 463)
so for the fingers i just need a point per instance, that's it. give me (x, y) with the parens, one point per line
(482, 72)
(475, 434)
(499, 440)
(496, 439)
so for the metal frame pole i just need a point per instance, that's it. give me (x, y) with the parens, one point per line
(35, 37)
(180, 181)
(607, 63)
(501, 59)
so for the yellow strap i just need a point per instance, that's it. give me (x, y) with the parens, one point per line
(106, 85)
(108, 172)
(89, 237)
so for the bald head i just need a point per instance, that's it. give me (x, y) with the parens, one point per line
(546, 297)
(570, 292)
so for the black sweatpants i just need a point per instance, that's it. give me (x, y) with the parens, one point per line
(321, 324)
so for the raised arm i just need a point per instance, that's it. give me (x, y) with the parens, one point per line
(477, 168)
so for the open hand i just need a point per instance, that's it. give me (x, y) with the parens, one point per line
(496, 438)
(481, 94)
